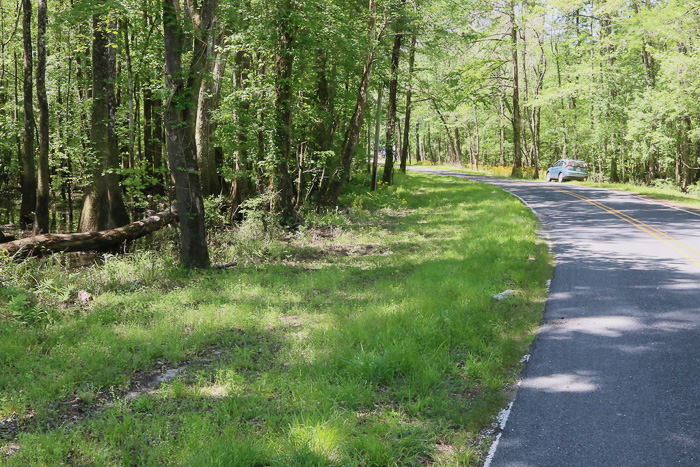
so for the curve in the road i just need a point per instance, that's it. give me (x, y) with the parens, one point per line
(613, 377)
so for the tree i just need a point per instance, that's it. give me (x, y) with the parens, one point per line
(41, 216)
(28, 168)
(284, 95)
(517, 156)
(179, 107)
(352, 137)
(409, 95)
(104, 206)
(393, 91)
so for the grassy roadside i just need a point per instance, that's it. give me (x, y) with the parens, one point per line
(369, 338)
(667, 193)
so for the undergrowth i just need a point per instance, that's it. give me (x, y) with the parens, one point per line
(369, 336)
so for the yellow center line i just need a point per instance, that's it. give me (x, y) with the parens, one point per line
(680, 247)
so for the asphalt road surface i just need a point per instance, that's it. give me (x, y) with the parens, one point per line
(613, 377)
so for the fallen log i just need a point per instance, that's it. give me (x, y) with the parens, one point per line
(5, 238)
(87, 241)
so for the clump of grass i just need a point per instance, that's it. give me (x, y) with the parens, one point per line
(369, 337)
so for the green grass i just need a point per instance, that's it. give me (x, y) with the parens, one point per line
(368, 338)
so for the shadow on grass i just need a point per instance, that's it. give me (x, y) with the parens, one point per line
(397, 361)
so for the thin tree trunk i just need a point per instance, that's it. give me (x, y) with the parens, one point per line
(158, 139)
(124, 23)
(242, 185)
(517, 158)
(502, 132)
(181, 145)
(409, 96)
(148, 141)
(430, 148)
(478, 140)
(377, 125)
(451, 148)
(41, 217)
(209, 94)
(29, 185)
(353, 133)
(284, 95)
(418, 152)
(471, 145)
(458, 147)
(391, 111)
(687, 150)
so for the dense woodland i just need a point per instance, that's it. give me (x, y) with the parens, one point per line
(110, 109)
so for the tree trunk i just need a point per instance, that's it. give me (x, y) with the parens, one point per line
(284, 95)
(451, 148)
(84, 241)
(502, 132)
(687, 150)
(409, 95)
(159, 168)
(478, 140)
(391, 110)
(148, 142)
(471, 146)
(29, 186)
(182, 152)
(41, 216)
(209, 94)
(418, 142)
(377, 125)
(430, 148)
(104, 207)
(458, 147)
(242, 185)
(517, 158)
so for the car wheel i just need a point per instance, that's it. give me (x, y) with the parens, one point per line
(547, 177)
(561, 177)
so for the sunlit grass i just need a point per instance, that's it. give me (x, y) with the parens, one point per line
(371, 340)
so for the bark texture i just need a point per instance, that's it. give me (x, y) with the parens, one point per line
(207, 71)
(182, 154)
(409, 96)
(284, 65)
(391, 111)
(104, 207)
(28, 170)
(87, 241)
(41, 215)
(517, 157)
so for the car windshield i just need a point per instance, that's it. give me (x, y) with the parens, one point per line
(578, 165)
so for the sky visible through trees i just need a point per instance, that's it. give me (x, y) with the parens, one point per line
(112, 108)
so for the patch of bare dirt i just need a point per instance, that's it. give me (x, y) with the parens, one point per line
(74, 409)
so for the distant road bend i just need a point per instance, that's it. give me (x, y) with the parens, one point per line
(613, 377)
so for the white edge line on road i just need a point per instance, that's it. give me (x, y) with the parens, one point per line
(502, 420)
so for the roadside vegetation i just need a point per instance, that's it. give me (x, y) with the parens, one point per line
(660, 189)
(370, 336)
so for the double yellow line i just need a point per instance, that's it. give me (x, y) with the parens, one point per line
(680, 247)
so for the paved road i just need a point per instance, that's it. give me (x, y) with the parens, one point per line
(614, 373)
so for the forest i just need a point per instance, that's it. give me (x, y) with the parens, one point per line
(111, 110)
